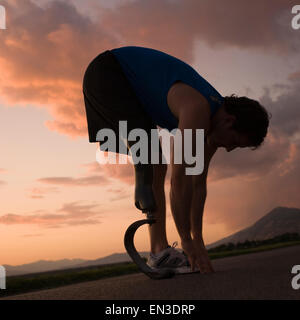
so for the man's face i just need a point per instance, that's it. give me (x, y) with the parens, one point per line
(233, 140)
(225, 136)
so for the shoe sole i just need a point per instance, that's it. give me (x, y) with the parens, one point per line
(185, 270)
(179, 270)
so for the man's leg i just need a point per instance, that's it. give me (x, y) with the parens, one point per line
(157, 230)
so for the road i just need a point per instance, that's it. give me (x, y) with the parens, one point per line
(263, 275)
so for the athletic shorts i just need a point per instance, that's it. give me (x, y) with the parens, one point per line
(110, 98)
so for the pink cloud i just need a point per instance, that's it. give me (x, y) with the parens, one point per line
(39, 193)
(43, 59)
(70, 214)
(46, 49)
(68, 181)
(122, 172)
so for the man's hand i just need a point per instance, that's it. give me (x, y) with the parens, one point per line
(197, 255)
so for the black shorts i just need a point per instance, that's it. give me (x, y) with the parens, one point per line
(110, 98)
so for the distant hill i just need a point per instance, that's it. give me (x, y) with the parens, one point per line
(41, 266)
(45, 265)
(278, 221)
(114, 258)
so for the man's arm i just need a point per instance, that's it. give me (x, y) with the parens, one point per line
(194, 116)
(197, 207)
(193, 112)
(199, 194)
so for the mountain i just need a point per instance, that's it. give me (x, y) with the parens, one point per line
(46, 265)
(42, 266)
(113, 258)
(278, 221)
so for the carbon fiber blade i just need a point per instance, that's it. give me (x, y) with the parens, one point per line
(137, 259)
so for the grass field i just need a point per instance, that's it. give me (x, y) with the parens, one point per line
(53, 279)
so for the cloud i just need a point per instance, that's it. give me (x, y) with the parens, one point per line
(119, 193)
(46, 48)
(44, 54)
(68, 181)
(120, 196)
(256, 24)
(285, 111)
(40, 192)
(294, 76)
(121, 172)
(70, 214)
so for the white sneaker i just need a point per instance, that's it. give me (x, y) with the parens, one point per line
(170, 258)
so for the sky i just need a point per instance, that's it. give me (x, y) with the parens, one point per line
(56, 201)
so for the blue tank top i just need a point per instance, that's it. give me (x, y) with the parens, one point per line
(152, 73)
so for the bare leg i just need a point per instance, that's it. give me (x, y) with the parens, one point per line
(157, 231)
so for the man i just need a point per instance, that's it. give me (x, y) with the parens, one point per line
(149, 88)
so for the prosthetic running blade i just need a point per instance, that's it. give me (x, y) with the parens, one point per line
(137, 259)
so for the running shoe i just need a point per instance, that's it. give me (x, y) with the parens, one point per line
(170, 258)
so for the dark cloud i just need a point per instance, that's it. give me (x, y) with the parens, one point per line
(46, 49)
(285, 111)
(257, 24)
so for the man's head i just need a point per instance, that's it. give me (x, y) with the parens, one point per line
(239, 122)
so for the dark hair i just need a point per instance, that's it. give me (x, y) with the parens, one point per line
(252, 119)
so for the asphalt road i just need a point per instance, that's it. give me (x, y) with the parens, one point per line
(264, 275)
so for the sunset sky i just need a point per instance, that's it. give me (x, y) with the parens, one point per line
(56, 201)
